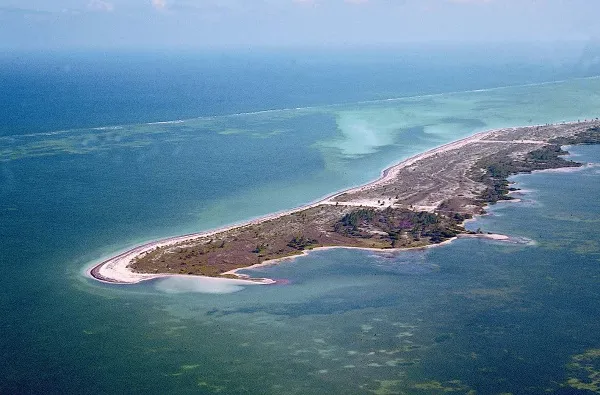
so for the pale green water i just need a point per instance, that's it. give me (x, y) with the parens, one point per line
(471, 316)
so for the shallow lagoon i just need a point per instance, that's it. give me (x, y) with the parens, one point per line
(475, 315)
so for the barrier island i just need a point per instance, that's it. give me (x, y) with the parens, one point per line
(419, 202)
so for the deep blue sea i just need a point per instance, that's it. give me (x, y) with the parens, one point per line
(44, 92)
(101, 151)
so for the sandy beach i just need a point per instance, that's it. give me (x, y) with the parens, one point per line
(115, 269)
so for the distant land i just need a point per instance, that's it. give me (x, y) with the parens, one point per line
(419, 202)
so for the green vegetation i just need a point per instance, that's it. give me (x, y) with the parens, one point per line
(494, 170)
(350, 222)
(300, 243)
(364, 227)
(590, 136)
(497, 168)
(260, 248)
(399, 226)
(355, 217)
(289, 235)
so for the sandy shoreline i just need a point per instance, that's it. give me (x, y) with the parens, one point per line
(114, 269)
(273, 262)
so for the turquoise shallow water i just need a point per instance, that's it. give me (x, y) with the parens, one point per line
(474, 315)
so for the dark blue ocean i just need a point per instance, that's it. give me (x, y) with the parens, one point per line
(101, 151)
(43, 92)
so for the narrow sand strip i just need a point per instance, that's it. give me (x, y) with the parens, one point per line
(115, 270)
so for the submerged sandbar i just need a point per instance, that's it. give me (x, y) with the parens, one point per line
(421, 201)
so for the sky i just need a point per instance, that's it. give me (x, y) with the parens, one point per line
(147, 24)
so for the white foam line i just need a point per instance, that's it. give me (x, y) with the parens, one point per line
(267, 111)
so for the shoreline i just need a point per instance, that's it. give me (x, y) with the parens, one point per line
(274, 262)
(119, 274)
(114, 270)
